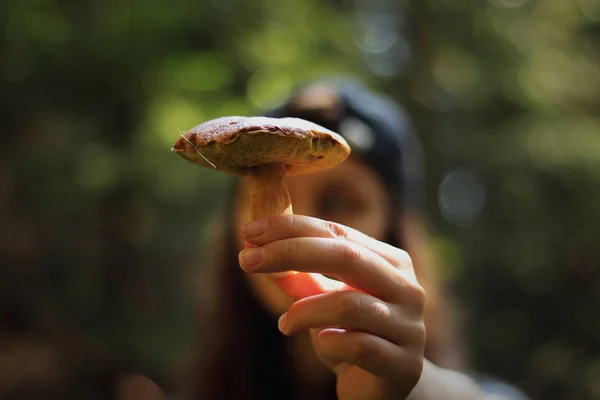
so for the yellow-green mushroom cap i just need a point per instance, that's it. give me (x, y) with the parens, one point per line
(235, 145)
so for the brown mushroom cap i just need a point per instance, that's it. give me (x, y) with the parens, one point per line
(236, 144)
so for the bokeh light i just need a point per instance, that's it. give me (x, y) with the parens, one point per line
(461, 197)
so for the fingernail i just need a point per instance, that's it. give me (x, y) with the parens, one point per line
(254, 228)
(250, 258)
(282, 323)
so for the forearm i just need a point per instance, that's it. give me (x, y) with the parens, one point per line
(439, 383)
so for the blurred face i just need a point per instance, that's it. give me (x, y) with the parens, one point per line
(350, 194)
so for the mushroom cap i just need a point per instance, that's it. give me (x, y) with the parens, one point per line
(236, 144)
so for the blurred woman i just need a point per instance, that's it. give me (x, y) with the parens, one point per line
(370, 336)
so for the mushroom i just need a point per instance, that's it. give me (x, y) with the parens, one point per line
(264, 151)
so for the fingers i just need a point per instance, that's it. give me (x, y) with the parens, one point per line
(293, 226)
(371, 353)
(349, 262)
(356, 311)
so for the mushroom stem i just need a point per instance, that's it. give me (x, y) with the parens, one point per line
(269, 193)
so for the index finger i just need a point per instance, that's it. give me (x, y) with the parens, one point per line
(280, 227)
(299, 285)
(353, 264)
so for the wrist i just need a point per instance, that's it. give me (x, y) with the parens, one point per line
(440, 383)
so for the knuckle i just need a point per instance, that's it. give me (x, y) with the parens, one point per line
(416, 336)
(349, 305)
(379, 309)
(422, 331)
(294, 222)
(417, 295)
(287, 250)
(403, 259)
(336, 230)
(291, 248)
(349, 251)
(362, 349)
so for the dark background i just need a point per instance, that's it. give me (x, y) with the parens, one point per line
(102, 228)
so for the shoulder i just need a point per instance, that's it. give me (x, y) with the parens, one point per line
(495, 388)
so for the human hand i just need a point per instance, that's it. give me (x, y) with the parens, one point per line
(370, 330)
